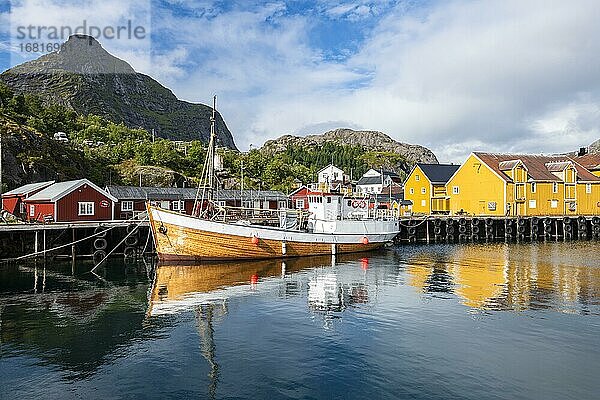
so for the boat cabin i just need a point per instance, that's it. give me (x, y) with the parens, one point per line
(333, 206)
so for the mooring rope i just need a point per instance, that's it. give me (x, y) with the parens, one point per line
(411, 226)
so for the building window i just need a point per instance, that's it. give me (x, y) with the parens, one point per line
(417, 178)
(86, 208)
(455, 190)
(423, 203)
(299, 203)
(423, 190)
(554, 187)
(532, 204)
(32, 210)
(178, 205)
(588, 188)
(533, 187)
(553, 203)
(127, 206)
(329, 199)
(412, 190)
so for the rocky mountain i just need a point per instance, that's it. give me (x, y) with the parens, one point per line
(368, 140)
(82, 75)
(595, 147)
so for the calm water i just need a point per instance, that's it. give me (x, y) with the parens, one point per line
(424, 322)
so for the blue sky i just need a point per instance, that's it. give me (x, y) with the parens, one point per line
(455, 76)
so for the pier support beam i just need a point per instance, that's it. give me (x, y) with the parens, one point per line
(36, 243)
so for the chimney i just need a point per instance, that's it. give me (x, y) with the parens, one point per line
(582, 151)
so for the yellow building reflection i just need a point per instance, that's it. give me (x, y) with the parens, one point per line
(514, 277)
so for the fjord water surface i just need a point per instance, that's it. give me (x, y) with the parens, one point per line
(498, 321)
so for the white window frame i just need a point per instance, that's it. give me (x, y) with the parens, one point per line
(423, 203)
(88, 208)
(178, 205)
(532, 204)
(533, 187)
(588, 188)
(417, 177)
(423, 190)
(127, 205)
(554, 187)
(412, 190)
(31, 210)
(455, 190)
(553, 203)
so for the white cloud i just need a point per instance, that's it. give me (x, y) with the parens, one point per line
(42, 15)
(456, 76)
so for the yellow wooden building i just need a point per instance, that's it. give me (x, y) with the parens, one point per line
(425, 186)
(523, 185)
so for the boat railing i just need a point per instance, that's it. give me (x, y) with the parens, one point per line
(259, 215)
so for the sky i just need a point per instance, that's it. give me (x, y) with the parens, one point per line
(454, 76)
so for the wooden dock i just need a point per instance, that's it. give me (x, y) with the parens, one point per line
(452, 229)
(90, 239)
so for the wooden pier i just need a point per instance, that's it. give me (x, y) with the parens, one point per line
(75, 239)
(453, 229)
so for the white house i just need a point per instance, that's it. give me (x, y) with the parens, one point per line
(373, 181)
(330, 174)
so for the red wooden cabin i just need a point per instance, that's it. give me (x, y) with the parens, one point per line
(71, 201)
(13, 200)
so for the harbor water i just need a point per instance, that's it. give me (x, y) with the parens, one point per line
(494, 321)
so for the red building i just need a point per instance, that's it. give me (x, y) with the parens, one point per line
(13, 200)
(299, 198)
(70, 201)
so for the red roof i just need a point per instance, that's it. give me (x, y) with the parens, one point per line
(590, 161)
(538, 166)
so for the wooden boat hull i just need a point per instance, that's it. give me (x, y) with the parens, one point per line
(182, 237)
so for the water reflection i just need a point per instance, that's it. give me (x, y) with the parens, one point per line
(184, 286)
(57, 317)
(510, 277)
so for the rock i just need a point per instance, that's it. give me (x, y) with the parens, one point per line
(85, 77)
(368, 140)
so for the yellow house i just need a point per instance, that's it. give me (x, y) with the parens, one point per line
(523, 185)
(425, 186)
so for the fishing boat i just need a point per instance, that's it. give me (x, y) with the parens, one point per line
(333, 224)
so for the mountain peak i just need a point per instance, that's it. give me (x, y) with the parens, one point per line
(80, 54)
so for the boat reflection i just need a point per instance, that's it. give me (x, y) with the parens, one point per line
(509, 278)
(184, 286)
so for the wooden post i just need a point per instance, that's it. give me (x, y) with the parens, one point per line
(35, 244)
(427, 227)
(73, 246)
(44, 244)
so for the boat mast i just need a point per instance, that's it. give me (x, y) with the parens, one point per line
(208, 170)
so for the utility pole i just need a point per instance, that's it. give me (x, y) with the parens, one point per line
(242, 183)
(0, 163)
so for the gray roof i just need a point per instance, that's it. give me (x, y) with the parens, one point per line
(151, 193)
(172, 193)
(61, 189)
(26, 189)
(369, 180)
(438, 173)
